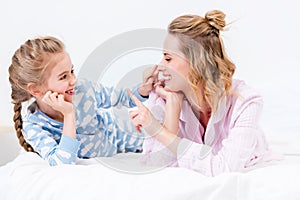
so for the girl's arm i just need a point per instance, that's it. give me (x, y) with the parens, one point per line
(66, 151)
(106, 97)
(109, 96)
(40, 136)
(57, 102)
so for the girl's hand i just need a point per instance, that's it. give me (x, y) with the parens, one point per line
(150, 77)
(57, 102)
(143, 118)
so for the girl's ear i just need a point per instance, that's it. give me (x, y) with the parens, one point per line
(34, 89)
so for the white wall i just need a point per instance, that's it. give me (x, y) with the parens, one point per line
(263, 41)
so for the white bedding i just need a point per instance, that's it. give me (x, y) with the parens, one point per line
(29, 177)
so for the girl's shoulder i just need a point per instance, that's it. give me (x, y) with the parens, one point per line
(83, 84)
(87, 86)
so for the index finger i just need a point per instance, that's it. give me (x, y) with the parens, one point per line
(150, 73)
(137, 102)
(154, 70)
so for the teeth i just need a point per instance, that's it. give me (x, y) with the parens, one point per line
(162, 76)
(69, 91)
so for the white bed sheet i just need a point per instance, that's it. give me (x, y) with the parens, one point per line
(29, 177)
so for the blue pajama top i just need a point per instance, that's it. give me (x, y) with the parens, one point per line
(98, 130)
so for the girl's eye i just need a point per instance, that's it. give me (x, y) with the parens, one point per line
(168, 59)
(72, 71)
(63, 77)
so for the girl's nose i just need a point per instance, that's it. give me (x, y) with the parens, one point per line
(73, 80)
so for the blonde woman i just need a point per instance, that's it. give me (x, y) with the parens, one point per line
(199, 117)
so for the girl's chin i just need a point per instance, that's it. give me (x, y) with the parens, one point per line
(69, 99)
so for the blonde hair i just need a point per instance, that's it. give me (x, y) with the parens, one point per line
(200, 42)
(29, 64)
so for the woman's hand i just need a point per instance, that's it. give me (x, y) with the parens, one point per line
(166, 94)
(143, 118)
(57, 102)
(150, 77)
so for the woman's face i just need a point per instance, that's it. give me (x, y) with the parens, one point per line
(62, 78)
(174, 66)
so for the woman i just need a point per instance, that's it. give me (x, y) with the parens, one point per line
(218, 129)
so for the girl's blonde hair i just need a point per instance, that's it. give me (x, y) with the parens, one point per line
(29, 64)
(200, 42)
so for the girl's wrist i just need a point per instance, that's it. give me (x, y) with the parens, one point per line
(69, 117)
(143, 92)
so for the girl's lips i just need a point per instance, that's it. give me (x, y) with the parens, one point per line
(70, 92)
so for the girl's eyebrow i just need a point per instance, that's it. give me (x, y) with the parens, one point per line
(62, 73)
(72, 68)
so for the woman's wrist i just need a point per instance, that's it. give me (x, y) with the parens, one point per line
(175, 98)
(153, 127)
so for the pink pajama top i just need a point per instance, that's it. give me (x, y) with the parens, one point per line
(232, 142)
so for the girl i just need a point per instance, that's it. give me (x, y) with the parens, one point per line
(56, 127)
(211, 122)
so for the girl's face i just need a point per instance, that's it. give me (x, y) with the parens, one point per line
(175, 67)
(62, 78)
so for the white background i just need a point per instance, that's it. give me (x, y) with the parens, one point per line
(263, 41)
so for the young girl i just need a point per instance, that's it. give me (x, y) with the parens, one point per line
(213, 124)
(55, 127)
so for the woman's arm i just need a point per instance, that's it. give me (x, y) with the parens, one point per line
(143, 118)
(235, 152)
(173, 108)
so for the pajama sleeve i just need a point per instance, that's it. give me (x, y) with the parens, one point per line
(237, 149)
(107, 97)
(65, 152)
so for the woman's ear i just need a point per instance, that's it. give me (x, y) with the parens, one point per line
(34, 89)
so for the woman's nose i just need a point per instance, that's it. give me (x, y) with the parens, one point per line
(161, 67)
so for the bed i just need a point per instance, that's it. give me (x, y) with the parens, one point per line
(124, 177)
(26, 176)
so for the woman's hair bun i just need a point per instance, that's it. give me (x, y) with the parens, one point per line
(216, 19)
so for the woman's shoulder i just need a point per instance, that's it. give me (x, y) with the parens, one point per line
(242, 94)
(242, 89)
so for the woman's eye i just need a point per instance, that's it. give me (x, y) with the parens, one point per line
(72, 71)
(168, 59)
